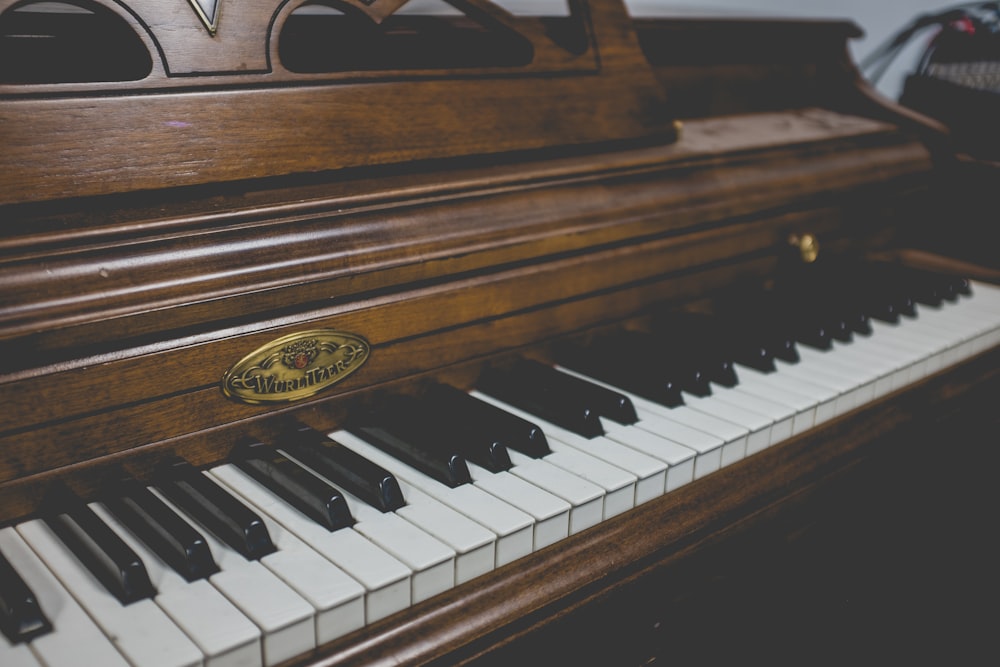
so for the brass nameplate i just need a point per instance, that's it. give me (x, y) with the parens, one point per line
(296, 366)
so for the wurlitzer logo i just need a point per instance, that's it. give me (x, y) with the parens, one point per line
(295, 367)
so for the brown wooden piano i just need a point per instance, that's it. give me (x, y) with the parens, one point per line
(229, 223)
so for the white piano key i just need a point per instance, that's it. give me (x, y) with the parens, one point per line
(652, 418)
(474, 545)
(841, 361)
(972, 325)
(285, 618)
(954, 327)
(849, 394)
(386, 580)
(550, 512)
(221, 631)
(916, 352)
(141, 631)
(586, 500)
(733, 437)
(585, 497)
(650, 472)
(338, 600)
(514, 529)
(431, 561)
(857, 383)
(780, 416)
(16, 655)
(75, 639)
(899, 361)
(825, 397)
(708, 447)
(679, 459)
(756, 426)
(286, 622)
(857, 357)
(803, 407)
(619, 485)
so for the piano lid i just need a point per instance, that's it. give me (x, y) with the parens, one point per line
(125, 97)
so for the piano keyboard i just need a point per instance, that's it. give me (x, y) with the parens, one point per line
(289, 569)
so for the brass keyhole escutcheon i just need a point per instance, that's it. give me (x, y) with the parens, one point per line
(807, 245)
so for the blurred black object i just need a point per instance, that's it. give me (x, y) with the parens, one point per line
(957, 80)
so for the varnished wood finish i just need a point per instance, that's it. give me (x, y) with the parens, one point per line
(234, 114)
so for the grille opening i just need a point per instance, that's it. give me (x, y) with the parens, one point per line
(330, 36)
(69, 42)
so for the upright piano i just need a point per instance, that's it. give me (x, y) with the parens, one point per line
(257, 255)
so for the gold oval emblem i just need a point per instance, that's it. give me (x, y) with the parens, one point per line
(296, 366)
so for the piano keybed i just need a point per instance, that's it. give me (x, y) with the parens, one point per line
(318, 584)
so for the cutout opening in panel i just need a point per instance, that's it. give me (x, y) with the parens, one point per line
(328, 36)
(69, 42)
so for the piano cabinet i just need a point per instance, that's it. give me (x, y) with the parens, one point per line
(160, 229)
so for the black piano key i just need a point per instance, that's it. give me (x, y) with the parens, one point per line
(882, 291)
(755, 356)
(872, 295)
(859, 321)
(21, 617)
(169, 536)
(934, 286)
(925, 288)
(962, 286)
(888, 290)
(805, 325)
(608, 403)
(214, 508)
(846, 308)
(840, 328)
(760, 330)
(414, 446)
(752, 346)
(489, 422)
(782, 345)
(527, 387)
(907, 306)
(700, 342)
(318, 500)
(662, 363)
(109, 559)
(818, 296)
(885, 310)
(623, 361)
(911, 285)
(745, 340)
(882, 299)
(356, 474)
(426, 420)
